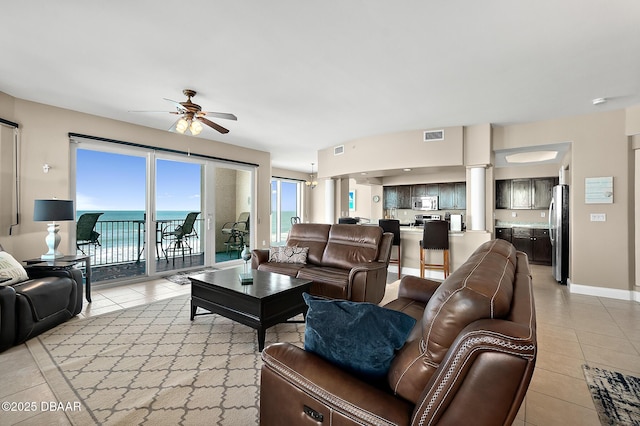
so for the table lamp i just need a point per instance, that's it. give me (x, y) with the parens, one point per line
(52, 211)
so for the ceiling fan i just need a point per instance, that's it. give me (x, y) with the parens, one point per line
(192, 116)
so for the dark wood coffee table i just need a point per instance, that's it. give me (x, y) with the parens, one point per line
(270, 300)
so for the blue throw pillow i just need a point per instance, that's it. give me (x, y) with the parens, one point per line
(356, 336)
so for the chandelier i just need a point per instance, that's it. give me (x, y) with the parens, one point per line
(312, 182)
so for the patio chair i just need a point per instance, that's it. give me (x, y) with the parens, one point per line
(86, 235)
(178, 239)
(236, 231)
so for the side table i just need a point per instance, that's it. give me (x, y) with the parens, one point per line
(66, 263)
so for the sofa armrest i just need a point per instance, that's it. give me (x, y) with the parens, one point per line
(7, 317)
(258, 257)
(311, 381)
(416, 288)
(367, 282)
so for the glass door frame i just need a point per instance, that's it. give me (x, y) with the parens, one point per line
(208, 195)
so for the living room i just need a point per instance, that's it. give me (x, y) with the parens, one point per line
(605, 141)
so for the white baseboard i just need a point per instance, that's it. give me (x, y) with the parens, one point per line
(611, 293)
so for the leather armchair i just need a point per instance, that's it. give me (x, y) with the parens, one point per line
(468, 360)
(46, 299)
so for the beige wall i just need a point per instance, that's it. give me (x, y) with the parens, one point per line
(601, 252)
(393, 151)
(44, 139)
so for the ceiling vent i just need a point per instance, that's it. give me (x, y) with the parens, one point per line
(433, 135)
(337, 150)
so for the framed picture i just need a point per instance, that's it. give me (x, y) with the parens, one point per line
(352, 200)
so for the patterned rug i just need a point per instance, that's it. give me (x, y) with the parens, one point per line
(615, 395)
(182, 278)
(151, 365)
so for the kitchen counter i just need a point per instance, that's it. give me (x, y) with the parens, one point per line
(461, 246)
(533, 225)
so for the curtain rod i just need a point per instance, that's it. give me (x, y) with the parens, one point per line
(173, 151)
(9, 123)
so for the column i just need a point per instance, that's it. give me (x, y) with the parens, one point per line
(478, 198)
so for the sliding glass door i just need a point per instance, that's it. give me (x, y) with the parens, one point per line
(178, 214)
(159, 212)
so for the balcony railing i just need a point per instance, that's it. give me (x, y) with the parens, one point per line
(124, 241)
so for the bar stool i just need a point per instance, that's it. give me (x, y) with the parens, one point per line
(348, 220)
(435, 236)
(393, 226)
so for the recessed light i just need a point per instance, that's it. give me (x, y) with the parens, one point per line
(363, 173)
(531, 157)
(599, 101)
(407, 170)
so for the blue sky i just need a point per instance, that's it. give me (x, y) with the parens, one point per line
(107, 181)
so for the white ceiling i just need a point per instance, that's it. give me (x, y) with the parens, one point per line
(307, 75)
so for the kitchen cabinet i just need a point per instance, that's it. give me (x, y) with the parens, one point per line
(525, 193)
(521, 193)
(534, 242)
(503, 233)
(541, 246)
(390, 197)
(453, 196)
(403, 196)
(543, 192)
(503, 194)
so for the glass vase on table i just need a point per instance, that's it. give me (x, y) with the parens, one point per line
(246, 277)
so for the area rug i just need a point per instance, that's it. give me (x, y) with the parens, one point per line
(615, 395)
(182, 278)
(151, 365)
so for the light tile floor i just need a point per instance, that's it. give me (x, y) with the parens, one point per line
(572, 330)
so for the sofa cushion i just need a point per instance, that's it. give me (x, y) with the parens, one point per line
(289, 254)
(12, 269)
(290, 269)
(47, 296)
(349, 245)
(312, 235)
(359, 337)
(327, 282)
(481, 288)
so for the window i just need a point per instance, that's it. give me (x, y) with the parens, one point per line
(285, 204)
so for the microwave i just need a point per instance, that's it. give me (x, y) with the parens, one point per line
(425, 203)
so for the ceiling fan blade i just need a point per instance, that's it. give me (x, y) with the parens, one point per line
(224, 115)
(213, 125)
(154, 112)
(178, 105)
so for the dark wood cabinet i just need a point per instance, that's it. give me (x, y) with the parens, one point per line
(522, 240)
(534, 242)
(503, 194)
(453, 196)
(432, 189)
(503, 233)
(390, 197)
(419, 190)
(541, 246)
(520, 194)
(543, 192)
(404, 196)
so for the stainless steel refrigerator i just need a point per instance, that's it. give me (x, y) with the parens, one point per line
(559, 233)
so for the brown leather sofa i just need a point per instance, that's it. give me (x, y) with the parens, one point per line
(468, 360)
(344, 261)
(46, 299)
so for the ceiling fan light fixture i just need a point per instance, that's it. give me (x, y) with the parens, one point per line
(182, 125)
(195, 128)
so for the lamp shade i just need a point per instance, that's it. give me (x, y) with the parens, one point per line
(52, 210)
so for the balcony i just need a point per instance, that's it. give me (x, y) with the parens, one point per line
(121, 253)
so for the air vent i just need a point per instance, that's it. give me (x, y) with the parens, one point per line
(433, 135)
(337, 150)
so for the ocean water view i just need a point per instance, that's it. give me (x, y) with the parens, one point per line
(122, 233)
(116, 215)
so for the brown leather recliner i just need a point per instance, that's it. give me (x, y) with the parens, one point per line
(468, 360)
